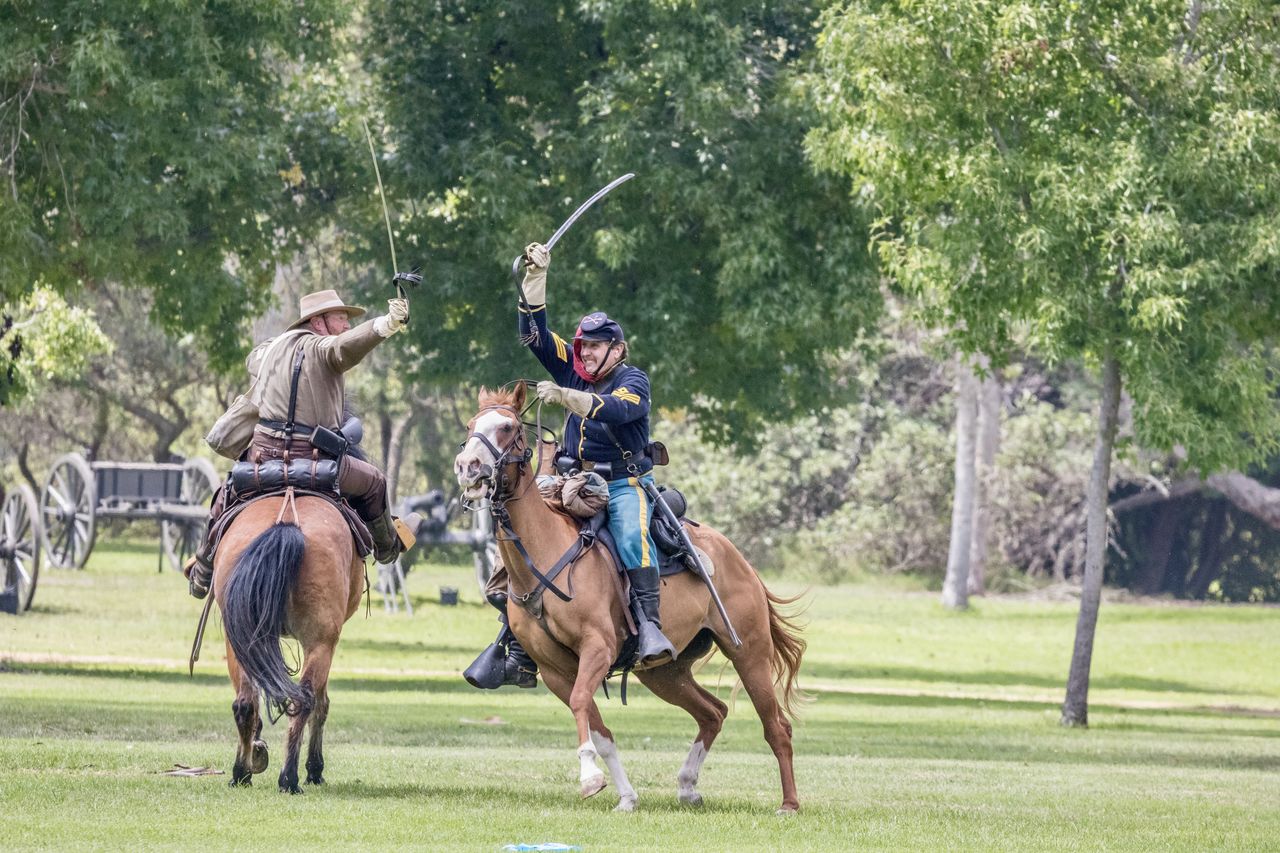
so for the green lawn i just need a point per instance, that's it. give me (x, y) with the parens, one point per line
(928, 730)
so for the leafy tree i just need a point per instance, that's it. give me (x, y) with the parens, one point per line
(732, 267)
(1102, 174)
(178, 147)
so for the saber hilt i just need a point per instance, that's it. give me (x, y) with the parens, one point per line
(413, 278)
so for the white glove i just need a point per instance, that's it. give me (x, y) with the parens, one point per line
(578, 402)
(536, 261)
(397, 316)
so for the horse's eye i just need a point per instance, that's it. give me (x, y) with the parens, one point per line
(506, 427)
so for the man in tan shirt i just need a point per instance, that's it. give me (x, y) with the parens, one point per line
(329, 347)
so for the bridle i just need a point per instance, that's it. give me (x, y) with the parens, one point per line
(503, 490)
(517, 453)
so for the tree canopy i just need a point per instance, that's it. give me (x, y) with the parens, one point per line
(157, 145)
(1092, 174)
(733, 268)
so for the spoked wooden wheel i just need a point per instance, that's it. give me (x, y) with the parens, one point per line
(67, 507)
(181, 537)
(20, 545)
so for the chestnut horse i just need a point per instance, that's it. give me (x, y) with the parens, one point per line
(285, 568)
(576, 642)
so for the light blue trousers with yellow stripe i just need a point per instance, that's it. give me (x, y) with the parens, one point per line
(629, 513)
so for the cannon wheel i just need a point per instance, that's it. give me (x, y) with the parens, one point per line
(67, 507)
(181, 537)
(485, 551)
(20, 544)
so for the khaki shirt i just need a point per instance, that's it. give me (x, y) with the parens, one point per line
(321, 386)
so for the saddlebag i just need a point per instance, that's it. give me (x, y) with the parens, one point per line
(317, 475)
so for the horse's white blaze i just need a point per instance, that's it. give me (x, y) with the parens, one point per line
(587, 757)
(687, 778)
(609, 752)
(475, 450)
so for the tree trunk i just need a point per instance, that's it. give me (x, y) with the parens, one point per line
(24, 467)
(988, 438)
(101, 426)
(1159, 548)
(955, 587)
(1212, 548)
(1075, 708)
(400, 431)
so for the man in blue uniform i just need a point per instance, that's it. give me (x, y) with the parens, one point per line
(606, 430)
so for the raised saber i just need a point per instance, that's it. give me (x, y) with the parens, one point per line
(568, 223)
(412, 277)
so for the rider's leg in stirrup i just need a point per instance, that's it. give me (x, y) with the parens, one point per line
(199, 567)
(629, 513)
(505, 661)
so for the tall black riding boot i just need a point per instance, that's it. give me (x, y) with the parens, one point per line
(386, 541)
(653, 643)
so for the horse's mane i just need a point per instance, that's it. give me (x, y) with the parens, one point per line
(502, 397)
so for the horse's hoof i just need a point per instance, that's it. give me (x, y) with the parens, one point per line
(315, 780)
(246, 782)
(693, 798)
(627, 805)
(258, 759)
(592, 786)
(290, 789)
(787, 810)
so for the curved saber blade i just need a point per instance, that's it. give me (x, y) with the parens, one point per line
(582, 208)
(568, 223)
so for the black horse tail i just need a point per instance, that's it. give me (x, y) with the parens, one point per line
(253, 613)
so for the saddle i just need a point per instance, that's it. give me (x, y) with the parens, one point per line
(237, 500)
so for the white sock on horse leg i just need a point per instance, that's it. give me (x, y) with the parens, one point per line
(587, 755)
(609, 752)
(687, 778)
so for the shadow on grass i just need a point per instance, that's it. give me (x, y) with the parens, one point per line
(527, 797)
(403, 646)
(900, 700)
(366, 684)
(847, 672)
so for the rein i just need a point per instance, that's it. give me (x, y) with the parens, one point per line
(501, 495)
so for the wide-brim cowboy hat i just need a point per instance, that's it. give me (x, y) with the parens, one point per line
(322, 302)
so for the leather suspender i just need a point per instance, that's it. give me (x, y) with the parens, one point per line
(293, 393)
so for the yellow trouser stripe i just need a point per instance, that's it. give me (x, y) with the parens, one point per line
(645, 562)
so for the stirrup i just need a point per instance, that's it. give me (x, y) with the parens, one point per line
(653, 644)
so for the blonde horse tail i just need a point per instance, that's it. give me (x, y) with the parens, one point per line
(788, 650)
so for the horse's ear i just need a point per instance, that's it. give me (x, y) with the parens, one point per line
(518, 396)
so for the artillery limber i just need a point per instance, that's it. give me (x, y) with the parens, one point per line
(78, 493)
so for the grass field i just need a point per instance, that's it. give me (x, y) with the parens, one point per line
(928, 730)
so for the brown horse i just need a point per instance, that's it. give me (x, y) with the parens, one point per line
(284, 568)
(576, 642)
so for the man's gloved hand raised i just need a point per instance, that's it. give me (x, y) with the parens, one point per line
(578, 402)
(536, 260)
(397, 315)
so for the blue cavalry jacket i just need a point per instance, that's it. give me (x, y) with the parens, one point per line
(621, 401)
